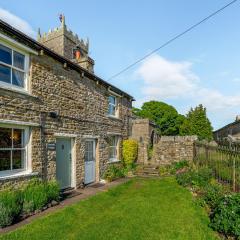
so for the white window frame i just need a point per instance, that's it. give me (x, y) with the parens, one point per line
(116, 147)
(27, 156)
(116, 114)
(25, 71)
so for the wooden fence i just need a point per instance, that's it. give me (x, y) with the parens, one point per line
(223, 159)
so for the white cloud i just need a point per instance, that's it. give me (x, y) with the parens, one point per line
(16, 22)
(167, 80)
(216, 101)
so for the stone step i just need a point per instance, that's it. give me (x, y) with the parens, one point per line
(147, 175)
(147, 170)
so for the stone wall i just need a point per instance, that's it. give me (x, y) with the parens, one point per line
(81, 105)
(142, 153)
(143, 130)
(17, 183)
(173, 149)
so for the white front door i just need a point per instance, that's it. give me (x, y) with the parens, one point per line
(90, 161)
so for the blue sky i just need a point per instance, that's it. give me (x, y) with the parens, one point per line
(201, 67)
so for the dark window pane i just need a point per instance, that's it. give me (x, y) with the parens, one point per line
(5, 74)
(18, 78)
(5, 54)
(18, 159)
(5, 137)
(18, 138)
(111, 141)
(18, 60)
(5, 160)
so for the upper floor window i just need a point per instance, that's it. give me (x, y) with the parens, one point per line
(13, 67)
(13, 147)
(112, 105)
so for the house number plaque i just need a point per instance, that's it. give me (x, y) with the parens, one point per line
(51, 146)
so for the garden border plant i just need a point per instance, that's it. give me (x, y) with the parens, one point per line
(223, 206)
(173, 168)
(33, 197)
(128, 163)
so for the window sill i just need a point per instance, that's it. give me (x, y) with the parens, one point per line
(15, 89)
(114, 117)
(10, 176)
(113, 161)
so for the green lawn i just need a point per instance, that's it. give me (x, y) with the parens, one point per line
(138, 209)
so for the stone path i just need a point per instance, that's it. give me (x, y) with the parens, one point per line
(82, 194)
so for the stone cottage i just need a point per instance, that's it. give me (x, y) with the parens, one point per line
(231, 131)
(58, 120)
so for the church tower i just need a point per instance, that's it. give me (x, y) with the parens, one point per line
(64, 42)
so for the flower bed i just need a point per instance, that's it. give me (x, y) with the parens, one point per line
(36, 196)
(223, 205)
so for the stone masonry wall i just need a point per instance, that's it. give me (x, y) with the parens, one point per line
(81, 105)
(173, 149)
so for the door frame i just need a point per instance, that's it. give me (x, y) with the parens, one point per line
(73, 157)
(95, 140)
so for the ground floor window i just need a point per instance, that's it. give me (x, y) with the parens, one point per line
(13, 142)
(113, 148)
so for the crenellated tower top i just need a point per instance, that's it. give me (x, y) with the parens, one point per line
(64, 42)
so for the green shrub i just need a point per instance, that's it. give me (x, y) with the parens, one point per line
(10, 206)
(34, 196)
(113, 172)
(212, 194)
(203, 177)
(164, 170)
(173, 168)
(180, 165)
(195, 178)
(130, 151)
(185, 179)
(226, 215)
(129, 169)
(150, 151)
(52, 190)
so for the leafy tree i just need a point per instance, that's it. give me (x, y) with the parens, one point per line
(197, 123)
(164, 115)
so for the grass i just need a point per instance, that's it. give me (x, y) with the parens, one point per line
(138, 209)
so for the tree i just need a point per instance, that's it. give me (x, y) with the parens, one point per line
(164, 115)
(197, 123)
